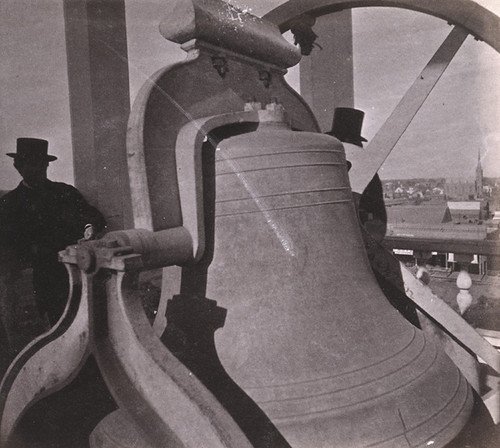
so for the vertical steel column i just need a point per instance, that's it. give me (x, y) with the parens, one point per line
(326, 76)
(96, 45)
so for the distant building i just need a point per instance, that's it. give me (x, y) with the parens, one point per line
(419, 214)
(465, 212)
(463, 190)
(444, 231)
(479, 184)
(388, 188)
(399, 192)
(460, 190)
(421, 232)
(454, 221)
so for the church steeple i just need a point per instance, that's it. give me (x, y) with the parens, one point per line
(479, 176)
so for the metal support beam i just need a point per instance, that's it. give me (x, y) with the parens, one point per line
(96, 45)
(326, 76)
(450, 321)
(363, 167)
(482, 23)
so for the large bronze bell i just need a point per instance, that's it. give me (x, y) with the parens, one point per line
(309, 335)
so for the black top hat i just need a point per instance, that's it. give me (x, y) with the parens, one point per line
(32, 148)
(347, 123)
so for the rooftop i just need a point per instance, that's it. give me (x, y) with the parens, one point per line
(445, 231)
(464, 205)
(428, 213)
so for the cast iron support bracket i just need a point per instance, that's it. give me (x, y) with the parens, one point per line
(145, 378)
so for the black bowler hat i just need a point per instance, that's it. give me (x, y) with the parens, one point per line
(347, 123)
(32, 148)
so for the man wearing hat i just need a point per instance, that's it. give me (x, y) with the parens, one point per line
(37, 220)
(347, 123)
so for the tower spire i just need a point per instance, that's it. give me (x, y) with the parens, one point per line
(479, 176)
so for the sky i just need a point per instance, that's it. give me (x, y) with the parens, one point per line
(391, 47)
(461, 115)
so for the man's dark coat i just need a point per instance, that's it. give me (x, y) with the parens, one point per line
(35, 224)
